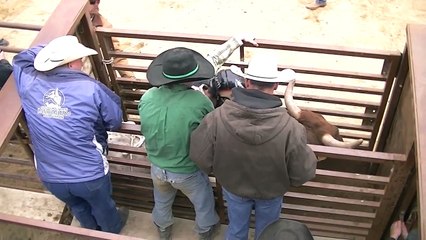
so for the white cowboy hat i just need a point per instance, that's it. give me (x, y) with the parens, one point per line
(264, 68)
(60, 51)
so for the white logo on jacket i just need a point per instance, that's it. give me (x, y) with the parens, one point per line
(53, 101)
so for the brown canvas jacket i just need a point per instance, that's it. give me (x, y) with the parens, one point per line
(255, 153)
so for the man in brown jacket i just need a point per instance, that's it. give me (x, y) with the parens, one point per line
(100, 21)
(254, 148)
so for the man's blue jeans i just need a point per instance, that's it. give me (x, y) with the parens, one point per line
(239, 211)
(90, 202)
(196, 186)
(321, 1)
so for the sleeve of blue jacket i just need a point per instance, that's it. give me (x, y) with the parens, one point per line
(109, 105)
(23, 64)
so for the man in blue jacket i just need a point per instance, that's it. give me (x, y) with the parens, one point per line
(68, 114)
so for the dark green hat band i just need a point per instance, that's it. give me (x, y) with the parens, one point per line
(183, 75)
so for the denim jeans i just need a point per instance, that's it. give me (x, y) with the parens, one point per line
(196, 186)
(239, 211)
(90, 202)
(320, 1)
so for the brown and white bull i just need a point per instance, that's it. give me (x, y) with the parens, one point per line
(319, 131)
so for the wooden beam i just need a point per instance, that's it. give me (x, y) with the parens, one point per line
(353, 176)
(416, 35)
(64, 229)
(10, 104)
(356, 202)
(334, 222)
(271, 44)
(399, 176)
(356, 154)
(305, 209)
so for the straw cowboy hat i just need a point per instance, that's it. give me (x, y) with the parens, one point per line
(264, 68)
(284, 229)
(179, 65)
(60, 51)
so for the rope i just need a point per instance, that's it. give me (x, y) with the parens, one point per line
(108, 61)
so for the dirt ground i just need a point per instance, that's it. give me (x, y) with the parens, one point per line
(371, 24)
(368, 24)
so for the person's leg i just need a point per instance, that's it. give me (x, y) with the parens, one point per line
(196, 186)
(164, 195)
(79, 207)
(239, 210)
(98, 194)
(266, 212)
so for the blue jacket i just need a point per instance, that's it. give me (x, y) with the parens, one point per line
(68, 114)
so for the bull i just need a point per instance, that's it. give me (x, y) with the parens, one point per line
(319, 131)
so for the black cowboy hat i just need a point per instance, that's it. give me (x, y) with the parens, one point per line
(179, 65)
(285, 229)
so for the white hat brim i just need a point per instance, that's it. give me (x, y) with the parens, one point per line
(284, 76)
(43, 61)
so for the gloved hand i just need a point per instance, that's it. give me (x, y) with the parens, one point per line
(244, 37)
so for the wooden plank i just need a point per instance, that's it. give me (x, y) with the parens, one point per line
(335, 100)
(130, 128)
(287, 206)
(88, 38)
(132, 68)
(10, 104)
(20, 177)
(106, 43)
(338, 113)
(300, 83)
(327, 221)
(132, 174)
(353, 176)
(331, 152)
(394, 101)
(134, 105)
(142, 56)
(24, 162)
(127, 149)
(333, 229)
(344, 188)
(61, 228)
(416, 34)
(279, 45)
(320, 233)
(356, 154)
(335, 73)
(398, 179)
(21, 26)
(339, 87)
(130, 162)
(357, 202)
(365, 136)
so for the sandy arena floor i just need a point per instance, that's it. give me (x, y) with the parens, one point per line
(368, 24)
